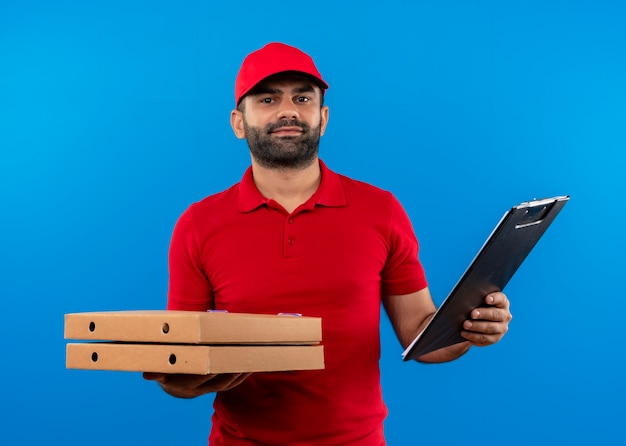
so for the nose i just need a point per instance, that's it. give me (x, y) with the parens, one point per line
(288, 111)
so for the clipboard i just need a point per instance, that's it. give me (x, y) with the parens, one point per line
(503, 252)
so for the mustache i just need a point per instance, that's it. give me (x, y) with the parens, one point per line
(287, 123)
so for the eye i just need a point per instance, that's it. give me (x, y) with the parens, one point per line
(267, 100)
(303, 99)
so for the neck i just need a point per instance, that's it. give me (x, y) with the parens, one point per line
(289, 187)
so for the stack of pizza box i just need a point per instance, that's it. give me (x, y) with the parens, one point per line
(194, 342)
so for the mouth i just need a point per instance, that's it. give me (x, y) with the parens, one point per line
(287, 131)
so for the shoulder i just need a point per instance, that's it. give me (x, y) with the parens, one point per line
(217, 202)
(202, 212)
(358, 191)
(376, 203)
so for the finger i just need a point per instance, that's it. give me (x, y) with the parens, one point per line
(484, 327)
(178, 380)
(494, 314)
(497, 299)
(192, 381)
(231, 380)
(483, 333)
(223, 381)
(241, 378)
(480, 339)
(158, 377)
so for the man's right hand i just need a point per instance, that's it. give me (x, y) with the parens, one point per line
(191, 386)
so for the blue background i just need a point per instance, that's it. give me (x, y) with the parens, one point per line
(114, 117)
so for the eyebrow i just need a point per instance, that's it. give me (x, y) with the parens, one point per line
(265, 89)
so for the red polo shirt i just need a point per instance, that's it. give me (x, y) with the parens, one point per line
(333, 258)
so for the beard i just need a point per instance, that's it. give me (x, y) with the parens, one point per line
(285, 152)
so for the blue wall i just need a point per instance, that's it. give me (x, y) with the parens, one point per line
(114, 117)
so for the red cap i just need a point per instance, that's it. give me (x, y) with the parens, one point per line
(274, 58)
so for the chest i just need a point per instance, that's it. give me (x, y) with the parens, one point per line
(269, 261)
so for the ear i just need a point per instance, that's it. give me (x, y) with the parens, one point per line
(323, 119)
(236, 122)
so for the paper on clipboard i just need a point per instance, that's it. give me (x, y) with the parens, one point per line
(499, 258)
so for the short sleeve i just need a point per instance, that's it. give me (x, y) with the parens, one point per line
(403, 272)
(189, 287)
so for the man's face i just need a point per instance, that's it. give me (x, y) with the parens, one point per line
(282, 120)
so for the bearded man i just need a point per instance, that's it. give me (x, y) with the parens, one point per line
(294, 236)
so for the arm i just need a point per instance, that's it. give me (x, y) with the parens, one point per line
(410, 313)
(190, 289)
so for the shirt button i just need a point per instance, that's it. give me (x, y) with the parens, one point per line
(291, 241)
(290, 220)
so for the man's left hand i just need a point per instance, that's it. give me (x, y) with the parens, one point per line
(489, 322)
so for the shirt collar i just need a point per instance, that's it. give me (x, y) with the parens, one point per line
(329, 193)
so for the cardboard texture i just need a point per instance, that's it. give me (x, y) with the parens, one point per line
(193, 327)
(194, 359)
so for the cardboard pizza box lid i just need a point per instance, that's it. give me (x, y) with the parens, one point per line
(193, 327)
